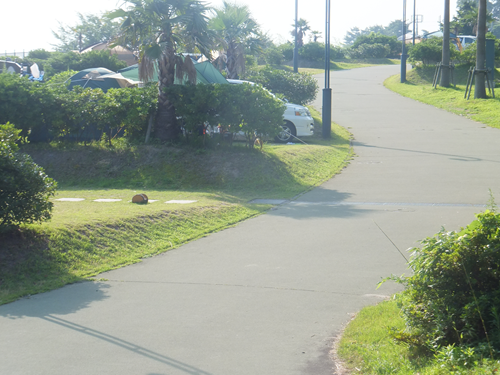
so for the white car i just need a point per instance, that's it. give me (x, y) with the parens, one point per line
(467, 40)
(297, 120)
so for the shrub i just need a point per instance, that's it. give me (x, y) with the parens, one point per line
(24, 187)
(369, 51)
(250, 109)
(367, 40)
(313, 52)
(430, 51)
(453, 296)
(299, 88)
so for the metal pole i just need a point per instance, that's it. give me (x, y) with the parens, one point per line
(403, 53)
(327, 91)
(414, 19)
(296, 48)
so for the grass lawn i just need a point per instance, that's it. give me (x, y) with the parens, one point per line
(367, 347)
(86, 238)
(419, 87)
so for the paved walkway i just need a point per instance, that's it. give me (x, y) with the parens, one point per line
(268, 296)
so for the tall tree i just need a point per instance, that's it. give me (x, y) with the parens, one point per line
(480, 88)
(90, 30)
(235, 31)
(159, 30)
(302, 28)
(465, 21)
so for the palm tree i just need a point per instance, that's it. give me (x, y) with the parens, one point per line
(158, 30)
(302, 28)
(236, 30)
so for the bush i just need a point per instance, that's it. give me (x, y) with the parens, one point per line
(367, 40)
(299, 88)
(453, 296)
(250, 109)
(369, 51)
(46, 111)
(24, 187)
(430, 51)
(313, 52)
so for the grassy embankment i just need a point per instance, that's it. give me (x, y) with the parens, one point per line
(367, 346)
(419, 87)
(86, 238)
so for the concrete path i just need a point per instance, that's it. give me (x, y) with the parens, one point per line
(268, 296)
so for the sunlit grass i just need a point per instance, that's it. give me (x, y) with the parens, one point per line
(418, 87)
(367, 347)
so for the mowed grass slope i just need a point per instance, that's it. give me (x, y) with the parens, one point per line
(86, 238)
(419, 87)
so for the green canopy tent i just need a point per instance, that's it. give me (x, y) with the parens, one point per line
(205, 73)
(102, 78)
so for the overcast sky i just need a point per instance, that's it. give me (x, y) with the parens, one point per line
(27, 25)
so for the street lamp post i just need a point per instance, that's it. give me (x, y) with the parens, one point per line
(403, 53)
(327, 91)
(296, 48)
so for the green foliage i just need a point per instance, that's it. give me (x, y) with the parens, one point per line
(46, 111)
(90, 30)
(430, 51)
(313, 52)
(298, 88)
(369, 51)
(246, 108)
(374, 45)
(24, 187)
(39, 54)
(287, 51)
(59, 62)
(453, 296)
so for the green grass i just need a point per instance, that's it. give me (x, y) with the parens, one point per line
(367, 347)
(86, 238)
(419, 87)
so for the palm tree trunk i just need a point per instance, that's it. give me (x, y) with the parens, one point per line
(166, 125)
(480, 88)
(445, 62)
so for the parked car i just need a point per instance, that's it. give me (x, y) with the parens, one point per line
(297, 120)
(466, 40)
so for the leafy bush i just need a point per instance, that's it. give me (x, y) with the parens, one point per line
(24, 187)
(453, 296)
(430, 51)
(246, 108)
(59, 62)
(367, 40)
(46, 111)
(313, 52)
(369, 51)
(299, 88)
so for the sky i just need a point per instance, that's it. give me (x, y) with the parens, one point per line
(27, 27)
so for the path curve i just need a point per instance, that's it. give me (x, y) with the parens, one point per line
(268, 296)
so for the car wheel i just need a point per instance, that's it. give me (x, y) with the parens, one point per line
(287, 134)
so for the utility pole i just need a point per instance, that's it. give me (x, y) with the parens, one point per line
(414, 19)
(445, 62)
(296, 48)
